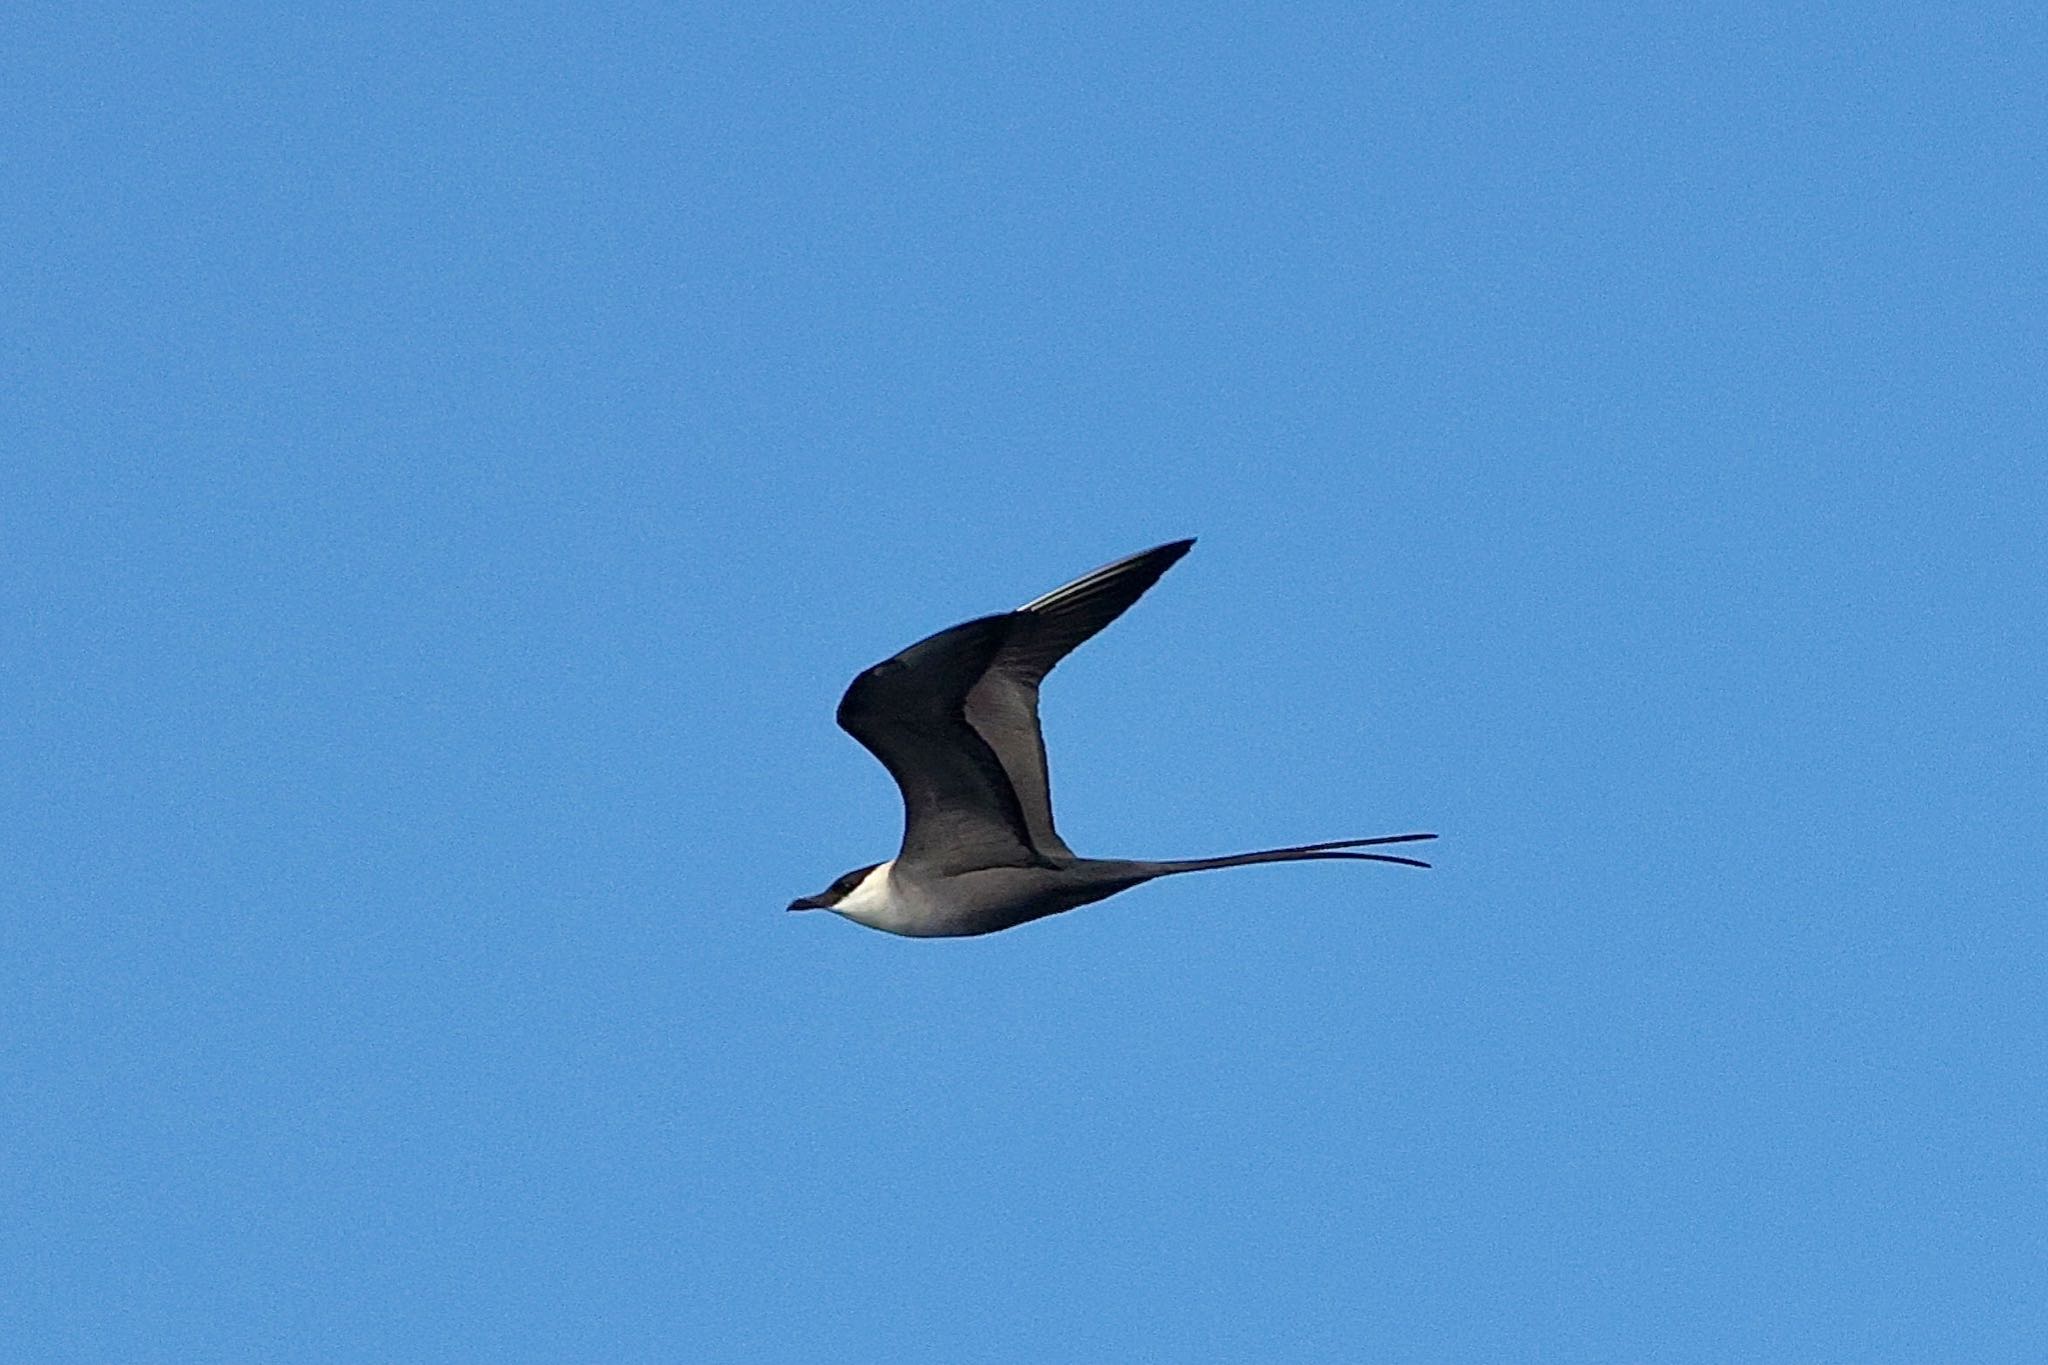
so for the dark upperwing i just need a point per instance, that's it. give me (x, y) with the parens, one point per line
(960, 811)
(1002, 705)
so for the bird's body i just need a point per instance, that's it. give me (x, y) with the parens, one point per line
(981, 901)
(954, 718)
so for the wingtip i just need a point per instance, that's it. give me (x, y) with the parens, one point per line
(1171, 552)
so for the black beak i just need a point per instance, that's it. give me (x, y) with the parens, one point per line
(807, 903)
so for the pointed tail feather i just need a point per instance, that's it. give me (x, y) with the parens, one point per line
(1300, 853)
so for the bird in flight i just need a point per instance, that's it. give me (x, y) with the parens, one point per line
(954, 718)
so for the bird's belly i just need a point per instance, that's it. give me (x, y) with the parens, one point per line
(910, 922)
(981, 902)
(928, 917)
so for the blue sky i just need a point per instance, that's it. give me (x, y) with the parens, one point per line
(455, 459)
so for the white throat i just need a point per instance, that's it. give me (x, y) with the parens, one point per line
(874, 902)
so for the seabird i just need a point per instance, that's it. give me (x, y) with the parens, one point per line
(954, 718)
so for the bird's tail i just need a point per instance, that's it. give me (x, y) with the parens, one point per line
(1300, 853)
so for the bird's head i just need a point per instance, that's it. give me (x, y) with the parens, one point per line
(849, 886)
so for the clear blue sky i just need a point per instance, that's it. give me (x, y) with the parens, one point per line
(455, 459)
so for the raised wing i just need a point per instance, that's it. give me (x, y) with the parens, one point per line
(960, 811)
(1002, 706)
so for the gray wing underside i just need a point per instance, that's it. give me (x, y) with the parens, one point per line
(1002, 705)
(960, 811)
